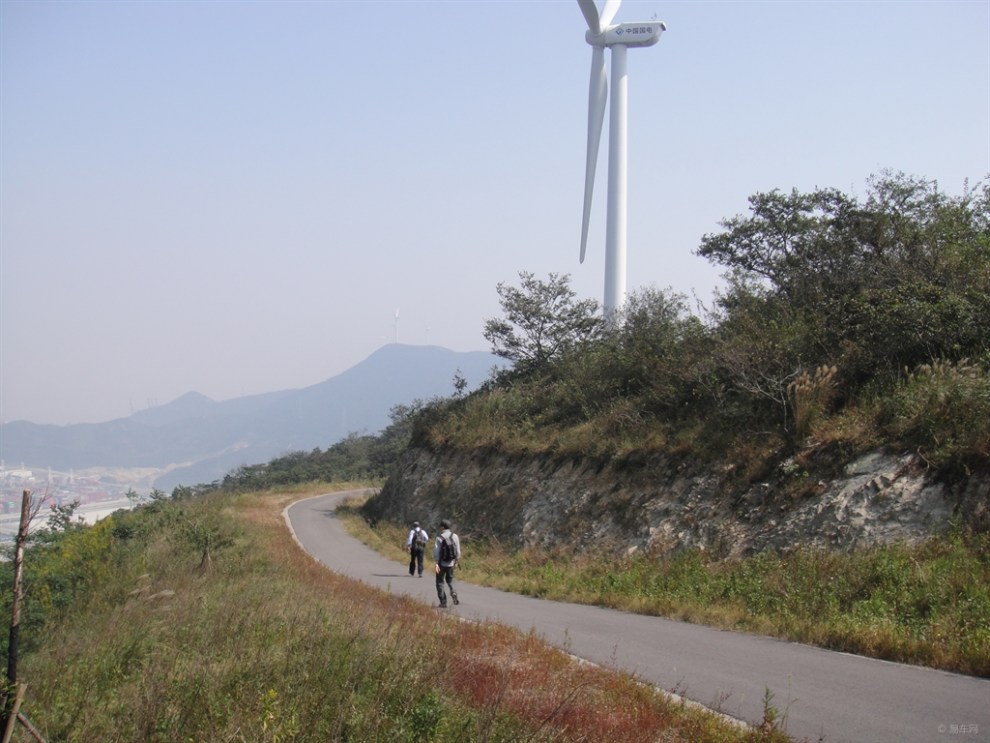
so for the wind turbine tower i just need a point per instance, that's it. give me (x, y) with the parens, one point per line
(618, 39)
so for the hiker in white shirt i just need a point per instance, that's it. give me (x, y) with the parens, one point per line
(446, 553)
(416, 544)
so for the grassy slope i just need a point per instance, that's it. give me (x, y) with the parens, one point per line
(266, 645)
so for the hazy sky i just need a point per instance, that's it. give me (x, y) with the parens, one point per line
(235, 197)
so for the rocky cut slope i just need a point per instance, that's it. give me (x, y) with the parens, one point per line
(662, 504)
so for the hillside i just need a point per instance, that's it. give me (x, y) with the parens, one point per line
(836, 395)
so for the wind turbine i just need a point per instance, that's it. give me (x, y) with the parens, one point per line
(618, 39)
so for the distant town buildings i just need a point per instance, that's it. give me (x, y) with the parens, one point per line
(97, 493)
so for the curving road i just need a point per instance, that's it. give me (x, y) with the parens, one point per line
(829, 696)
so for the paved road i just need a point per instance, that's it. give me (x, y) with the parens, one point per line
(831, 696)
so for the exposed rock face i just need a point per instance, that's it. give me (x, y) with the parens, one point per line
(661, 504)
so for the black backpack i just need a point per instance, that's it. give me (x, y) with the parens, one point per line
(447, 552)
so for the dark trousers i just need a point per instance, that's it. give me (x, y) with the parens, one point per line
(415, 560)
(446, 574)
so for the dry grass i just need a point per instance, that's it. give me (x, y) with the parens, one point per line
(268, 645)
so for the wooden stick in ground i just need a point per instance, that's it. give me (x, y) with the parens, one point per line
(35, 733)
(6, 715)
(8, 731)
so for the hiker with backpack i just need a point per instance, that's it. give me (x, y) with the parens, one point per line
(446, 553)
(416, 544)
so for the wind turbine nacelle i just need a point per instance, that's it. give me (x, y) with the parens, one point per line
(629, 34)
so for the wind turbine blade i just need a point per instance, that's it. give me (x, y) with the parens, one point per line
(608, 12)
(590, 11)
(597, 95)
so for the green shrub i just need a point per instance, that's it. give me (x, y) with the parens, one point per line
(942, 410)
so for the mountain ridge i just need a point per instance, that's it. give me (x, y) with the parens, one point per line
(201, 439)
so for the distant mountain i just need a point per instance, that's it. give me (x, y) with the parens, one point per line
(190, 405)
(200, 439)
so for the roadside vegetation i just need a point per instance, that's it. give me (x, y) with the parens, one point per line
(363, 457)
(134, 636)
(846, 324)
(926, 604)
